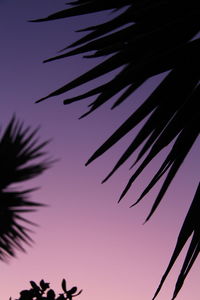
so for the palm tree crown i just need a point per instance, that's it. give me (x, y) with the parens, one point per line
(18, 148)
(147, 38)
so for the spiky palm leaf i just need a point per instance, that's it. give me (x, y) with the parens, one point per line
(18, 148)
(146, 39)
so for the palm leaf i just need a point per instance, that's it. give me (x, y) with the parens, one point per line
(190, 228)
(144, 39)
(18, 148)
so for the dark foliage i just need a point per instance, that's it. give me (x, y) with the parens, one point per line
(43, 292)
(147, 38)
(18, 148)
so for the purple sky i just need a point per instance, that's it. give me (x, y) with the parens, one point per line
(84, 235)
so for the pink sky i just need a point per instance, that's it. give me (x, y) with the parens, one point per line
(84, 235)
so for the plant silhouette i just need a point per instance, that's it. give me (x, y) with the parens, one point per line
(19, 147)
(146, 38)
(43, 292)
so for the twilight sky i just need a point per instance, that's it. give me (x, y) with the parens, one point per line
(84, 235)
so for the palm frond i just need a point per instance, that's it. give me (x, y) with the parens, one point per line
(146, 39)
(190, 228)
(18, 148)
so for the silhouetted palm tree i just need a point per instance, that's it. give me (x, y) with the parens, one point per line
(147, 38)
(18, 148)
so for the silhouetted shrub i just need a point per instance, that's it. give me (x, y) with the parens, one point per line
(43, 292)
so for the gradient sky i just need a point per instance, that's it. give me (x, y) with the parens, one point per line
(84, 235)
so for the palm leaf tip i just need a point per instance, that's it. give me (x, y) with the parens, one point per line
(190, 228)
(19, 147)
